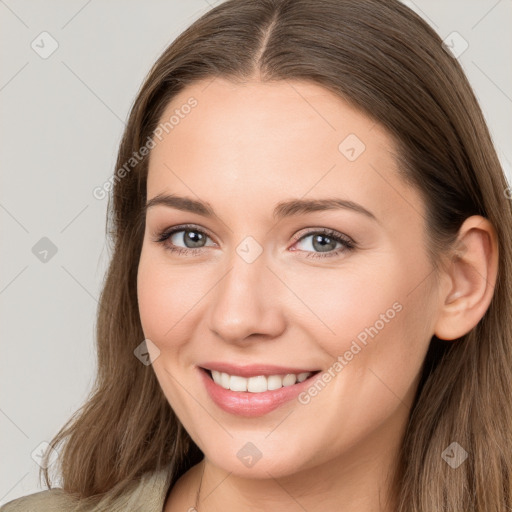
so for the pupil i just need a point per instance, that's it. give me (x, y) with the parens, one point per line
(194, 237)
(323, 247)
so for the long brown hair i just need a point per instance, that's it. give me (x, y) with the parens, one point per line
(382, 58)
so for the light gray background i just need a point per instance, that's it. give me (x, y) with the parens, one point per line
(61, 122)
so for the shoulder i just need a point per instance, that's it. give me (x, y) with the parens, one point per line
(148, 494)
(49, 500)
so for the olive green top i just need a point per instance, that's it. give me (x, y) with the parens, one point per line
(146, 495)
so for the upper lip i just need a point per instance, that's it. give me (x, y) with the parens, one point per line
(253, 370)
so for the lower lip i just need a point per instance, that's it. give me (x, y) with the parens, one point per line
(244, 403)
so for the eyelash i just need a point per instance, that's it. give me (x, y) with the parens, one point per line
(347, 242)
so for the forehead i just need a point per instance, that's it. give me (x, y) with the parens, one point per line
(274, 141)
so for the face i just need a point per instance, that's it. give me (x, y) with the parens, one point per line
(284, 336)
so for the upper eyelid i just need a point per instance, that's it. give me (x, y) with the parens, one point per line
(317, 229)
(187, 227)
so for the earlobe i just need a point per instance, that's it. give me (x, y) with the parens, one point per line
(472, 275)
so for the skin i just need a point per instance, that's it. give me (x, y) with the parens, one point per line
(244, 148)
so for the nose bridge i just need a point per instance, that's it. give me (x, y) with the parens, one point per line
(241, 304)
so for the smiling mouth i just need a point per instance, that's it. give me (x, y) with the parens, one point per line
(259, 383)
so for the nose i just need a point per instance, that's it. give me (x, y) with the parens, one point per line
(245, 303)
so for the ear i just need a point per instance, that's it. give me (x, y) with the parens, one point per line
(470, 278)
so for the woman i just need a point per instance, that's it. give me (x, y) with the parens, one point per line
(309, 302)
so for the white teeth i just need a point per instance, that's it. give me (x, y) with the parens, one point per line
(274, 382)
(258, 384)
(224, 380)
(289, 380)
(237, 383)
(302, 377)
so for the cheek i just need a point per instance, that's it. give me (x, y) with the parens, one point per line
(170, 297)
(338, 304)
(162, 299)
(152, 301)
(374, 316)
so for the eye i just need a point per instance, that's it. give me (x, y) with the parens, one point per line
(325, 240)
(193, 238)
(322, 240)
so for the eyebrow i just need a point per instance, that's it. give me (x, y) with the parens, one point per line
(283, 209)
